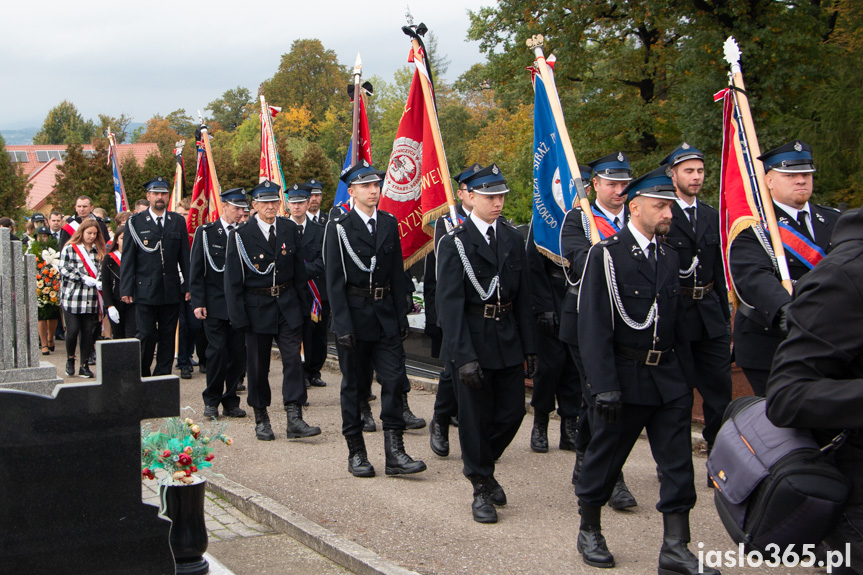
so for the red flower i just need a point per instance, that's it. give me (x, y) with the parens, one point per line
(166, 453)
(184, 459)
(209, 457)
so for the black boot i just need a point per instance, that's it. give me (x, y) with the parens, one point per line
(496, 493)
(398, 462)
(358, 460)
(296, 426)
(576, 471)
(568, 433)
(439, 434)
(263, 431)
(675, 558)
(621, 498)
(411, 420)
(591, 543)
(366, 415)
(482, 507)
(70, 366)
(539, 434)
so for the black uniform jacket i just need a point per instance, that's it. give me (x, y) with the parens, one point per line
(259, 312)
(430, 273)
(152, 278)
(467, 335)
(604, 369)
(711, 312)
(207, 282)
(759, 286)
(547, 281)
(64, 235)
(817, 377)
(111, 283)
(354, 314)
(574, 246)
(312, 250)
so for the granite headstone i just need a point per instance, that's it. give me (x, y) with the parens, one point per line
(70, 473)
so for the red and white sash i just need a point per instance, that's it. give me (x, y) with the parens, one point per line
(90, 268)
(71, 227)
(116, 256)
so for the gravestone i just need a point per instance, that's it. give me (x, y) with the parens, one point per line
(20, 364)
(70, 473)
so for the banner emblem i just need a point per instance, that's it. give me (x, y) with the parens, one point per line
(404, 175)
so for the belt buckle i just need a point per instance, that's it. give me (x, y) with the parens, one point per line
(275, 291)
(698, 292)
(489, 311)
(379, 293)
(653, 357)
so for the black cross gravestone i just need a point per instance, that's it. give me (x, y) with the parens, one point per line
(70, 473)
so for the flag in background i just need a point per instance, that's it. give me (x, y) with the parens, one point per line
(204, 206)
(364, 152)
(271, 166)
(554, 188)
(413, 189)
(179, 189)
(120, 201)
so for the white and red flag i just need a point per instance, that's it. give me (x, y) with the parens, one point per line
(205, 201)
(271, 167)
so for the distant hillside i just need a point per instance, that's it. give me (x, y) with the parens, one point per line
(19, 137)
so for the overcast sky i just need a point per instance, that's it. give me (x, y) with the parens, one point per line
(152, 57)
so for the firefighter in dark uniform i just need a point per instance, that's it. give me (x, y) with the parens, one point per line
(759, 324)
(226, 347)
(483, 304)
(611, 174)
(315, 340)
(694, 235)
(446, 402)
(155, 253)
(367, 288)
(311, 246)
(268, 298)
(628, 309)
(817, 377)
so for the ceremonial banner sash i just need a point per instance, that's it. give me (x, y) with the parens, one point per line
(116, 256)
(71, 227)
(316, 301)
(89, 267)
(805, 249)
(605, 226)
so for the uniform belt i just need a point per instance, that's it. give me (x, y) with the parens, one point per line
(697, 292)
(573, 290)
(490, 311)
(646, 356)
(556, 272)
(373, 293)
(274, 291)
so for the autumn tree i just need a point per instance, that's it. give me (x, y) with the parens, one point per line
(13, 186)
(314, 164)
(64, 123)
(117, 124)
(161, 132)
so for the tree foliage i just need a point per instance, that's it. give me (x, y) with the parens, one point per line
(13, 186)
(64, 124)
(232, 108)
(116, 124)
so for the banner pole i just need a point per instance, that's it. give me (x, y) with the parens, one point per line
(217, 189)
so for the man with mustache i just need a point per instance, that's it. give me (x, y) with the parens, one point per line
(627, 322)
(155, 253)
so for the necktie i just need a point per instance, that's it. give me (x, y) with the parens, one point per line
(651, 256)
(801, 219)
(492, 241)
(372, 226)
(690, 211)
(159, 221)
(301, 234)
(617, 222)
(272, 238)
(57, 236)
(315, 219)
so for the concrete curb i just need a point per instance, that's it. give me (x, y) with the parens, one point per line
(346, 553)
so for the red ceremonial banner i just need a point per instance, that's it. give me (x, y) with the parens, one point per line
(202, 210)
(413, 190)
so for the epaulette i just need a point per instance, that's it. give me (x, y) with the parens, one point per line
(610, 240)
(386, 214)
(209, 225)
(504, 221)
(338, 217)
(706, 205)
(828, 208)
(456, 230)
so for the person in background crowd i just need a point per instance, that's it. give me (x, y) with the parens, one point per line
(120, 219)
(79, 267)
(83, 211)
(55, 224)
(8, 223)
(44, 244)
(120, 314)
(142, 205)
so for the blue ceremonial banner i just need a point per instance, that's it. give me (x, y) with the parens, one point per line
(554, 190)
(118, 189)
(342, 196)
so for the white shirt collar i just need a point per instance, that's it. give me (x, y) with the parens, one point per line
(684, 206)
(793, 211)
(154, 216)
(226, 224)
(314, 217)
(302, 225)
(642, 240)
(483, 226)
(609, 215)
(264, 227)
(366, 218)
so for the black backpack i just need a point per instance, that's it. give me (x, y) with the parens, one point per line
(773, 484)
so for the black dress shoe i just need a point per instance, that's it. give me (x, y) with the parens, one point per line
(621, 497)
(496, 493)
(185, 373)
(594, 551)
(263, 430)
(51, 348)
(539, 433)
(235, 412)
(482, 507)
(439, 435)
(211, 412)
(84, 371)
(317, 382)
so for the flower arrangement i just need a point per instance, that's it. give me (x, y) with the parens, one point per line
(180, 447)
(47, 282)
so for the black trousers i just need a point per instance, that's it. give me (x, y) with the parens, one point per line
(387, 358)
(669, 432)
(757, 380)
(127, 326)
(556, 377)
(489, 417)
(83, 324)
(157, 325)
(225, 363)
(711, 364)
(445, 401)
(585, 411)
(258, 350)
(315, 343)
(187, 335)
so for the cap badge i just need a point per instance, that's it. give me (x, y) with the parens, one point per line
(365, 164)
(783, 219)
(619, 156)
(494, 170)
(476, 168)
(160, 179)
(820, 218)
(313, 181)
(685, 146)
(267, 183)
(798, 147)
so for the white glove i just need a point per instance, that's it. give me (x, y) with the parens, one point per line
(99, 285)
(114, 314)
(88, 281)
